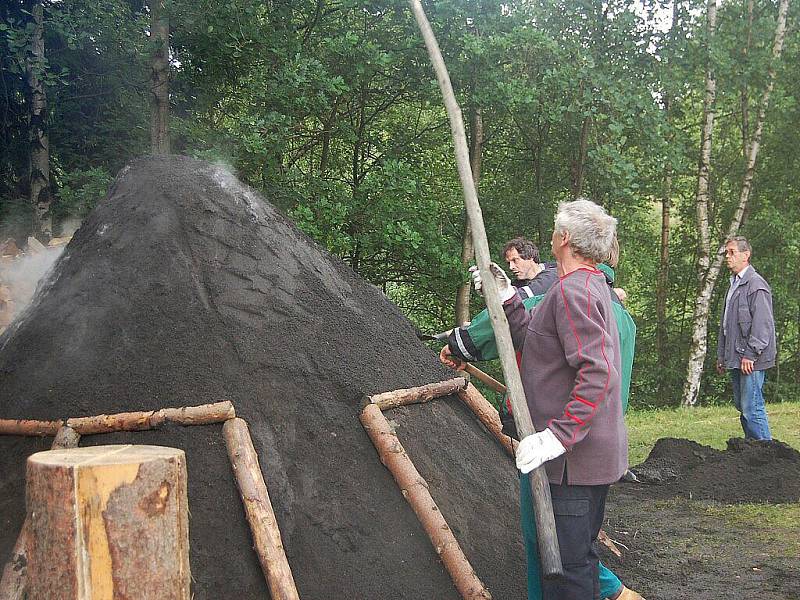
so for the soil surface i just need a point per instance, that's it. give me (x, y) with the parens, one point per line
(185, 287)
(676, 538)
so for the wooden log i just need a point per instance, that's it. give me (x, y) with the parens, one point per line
(258, 508)
(139, 421)
(488, 415)
(417, 395)
(415, 490)
(130, 421)
(29, 427)
(13, 585)
(108, 522)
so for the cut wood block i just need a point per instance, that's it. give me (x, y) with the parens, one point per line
(9, 248)
(35, 246)
(108, 522)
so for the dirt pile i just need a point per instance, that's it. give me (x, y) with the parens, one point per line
(747, 471)
(185, 287)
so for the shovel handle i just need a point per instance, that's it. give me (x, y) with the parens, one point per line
(484, 377)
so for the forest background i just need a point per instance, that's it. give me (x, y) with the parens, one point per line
(681, 118)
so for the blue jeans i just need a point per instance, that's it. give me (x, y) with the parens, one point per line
(749, 401)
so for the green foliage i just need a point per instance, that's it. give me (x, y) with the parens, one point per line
(80, 190)
(331, 110)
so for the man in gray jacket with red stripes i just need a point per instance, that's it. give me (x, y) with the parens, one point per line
(746, 344)
(570, 371)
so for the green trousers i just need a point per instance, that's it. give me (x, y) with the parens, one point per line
(609, 583)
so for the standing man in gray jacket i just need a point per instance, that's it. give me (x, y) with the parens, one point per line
(746, 346)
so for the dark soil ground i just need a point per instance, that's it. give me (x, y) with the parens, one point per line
(682, 533)
(184, 287)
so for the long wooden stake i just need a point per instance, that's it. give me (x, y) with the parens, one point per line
(540, 487)
(130, 421)
(418, 395)
(258, 508)
(139, 421)
(29, 427)
(415, 490)
(14, 583)
(487, 415)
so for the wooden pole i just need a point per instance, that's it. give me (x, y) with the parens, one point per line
(487, 415)
(540, 487)
(108, 522)
(418, 395)
(258, 508)
(28, 427)
(14, 583)
(138, 421)
(130, 421)
(415, 490)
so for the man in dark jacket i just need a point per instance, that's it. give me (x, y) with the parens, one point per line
(746, 343)
(531, 279)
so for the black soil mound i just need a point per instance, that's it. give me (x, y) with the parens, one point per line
(184, 287)
(747, 471)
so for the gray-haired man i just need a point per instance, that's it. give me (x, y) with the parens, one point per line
(570, 369)
(746, 344)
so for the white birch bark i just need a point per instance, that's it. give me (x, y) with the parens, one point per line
(708, 270)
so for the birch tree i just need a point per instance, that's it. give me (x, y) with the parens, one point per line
(708, 267)
(39, 141)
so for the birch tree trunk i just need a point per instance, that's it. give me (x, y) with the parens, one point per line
(159, 79)
(468, 248)
(39, 141)
(708, 270)
(697, 349)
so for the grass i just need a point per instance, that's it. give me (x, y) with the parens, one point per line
(708, 425)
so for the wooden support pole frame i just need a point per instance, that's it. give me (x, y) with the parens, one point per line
(129, 421)
(418, 395)
(540, 487)
(139, 421)
(415, 490)
(29, 428)
(487, 414)
(258, 508)
(14, 583)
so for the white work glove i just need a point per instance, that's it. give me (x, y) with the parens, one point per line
(536, 449)
(504, 286)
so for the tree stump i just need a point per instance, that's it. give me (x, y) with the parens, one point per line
(108, 522)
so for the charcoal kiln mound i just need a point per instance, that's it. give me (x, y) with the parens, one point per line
(746, 471)
(184, 287)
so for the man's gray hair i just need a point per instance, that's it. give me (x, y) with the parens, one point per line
(591, 229)
(742, 245)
